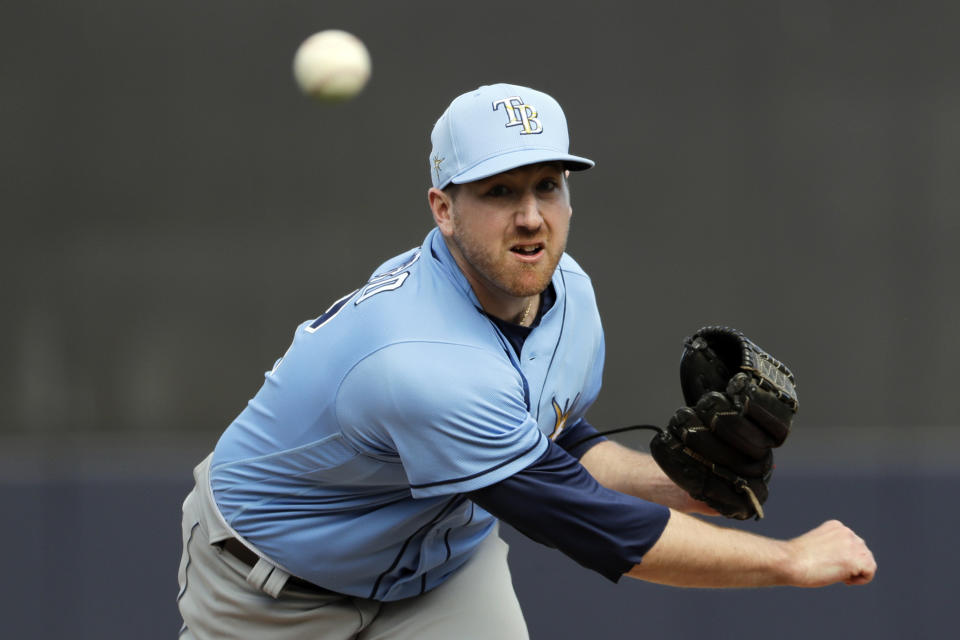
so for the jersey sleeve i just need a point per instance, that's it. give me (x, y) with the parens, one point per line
(454, 416)
(577, 439)
(556, 502)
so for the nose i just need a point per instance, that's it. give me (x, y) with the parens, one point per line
(528, 212)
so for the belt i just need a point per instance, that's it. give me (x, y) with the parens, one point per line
(240, 551)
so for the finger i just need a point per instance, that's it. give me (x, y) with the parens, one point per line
(718, 412)
(763, 408)
(774, 417)
(687, 426)
(859, 578)
(743, 434)
(713, 448)
(866, 566)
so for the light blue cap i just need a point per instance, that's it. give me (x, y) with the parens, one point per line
(497, 128)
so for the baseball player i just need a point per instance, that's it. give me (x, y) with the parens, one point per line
(358, 493)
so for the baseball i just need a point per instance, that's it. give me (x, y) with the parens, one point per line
(332, 65)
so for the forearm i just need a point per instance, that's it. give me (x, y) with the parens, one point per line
(556, 502)
(694, 553)
(635, 473)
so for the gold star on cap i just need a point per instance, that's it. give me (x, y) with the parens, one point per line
(436, 165)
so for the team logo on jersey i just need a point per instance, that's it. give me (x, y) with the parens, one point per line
(562, 415)
(520, 115)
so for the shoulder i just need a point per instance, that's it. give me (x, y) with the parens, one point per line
(406, 299)
(577, 285)
(576, 282)
(569, 266)
(419, 374)
(431, 386)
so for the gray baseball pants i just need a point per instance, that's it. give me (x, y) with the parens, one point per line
(218, 599)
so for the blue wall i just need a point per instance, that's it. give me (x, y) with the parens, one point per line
(96, 557)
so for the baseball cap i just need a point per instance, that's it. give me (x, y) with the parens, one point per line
(497, 128)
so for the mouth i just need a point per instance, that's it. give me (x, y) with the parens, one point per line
(528, 251)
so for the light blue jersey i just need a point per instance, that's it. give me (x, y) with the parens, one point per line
(348, 467)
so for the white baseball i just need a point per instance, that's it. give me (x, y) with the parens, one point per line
(332, 65)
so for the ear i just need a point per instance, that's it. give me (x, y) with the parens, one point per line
(442, 208)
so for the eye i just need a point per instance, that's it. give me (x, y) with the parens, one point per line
(548, 184)
(498, 191)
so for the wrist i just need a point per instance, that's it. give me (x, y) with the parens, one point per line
(787, 565)
(692, 505)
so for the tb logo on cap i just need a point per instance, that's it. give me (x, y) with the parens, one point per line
(520, 115)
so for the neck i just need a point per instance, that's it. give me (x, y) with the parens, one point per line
(520, 310)
(525, 318)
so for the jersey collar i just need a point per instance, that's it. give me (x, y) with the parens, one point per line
(436, 247)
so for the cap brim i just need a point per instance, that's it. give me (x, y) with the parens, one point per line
(519, 158)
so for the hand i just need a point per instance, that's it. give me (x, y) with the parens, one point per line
(831, 553)
(692, 505)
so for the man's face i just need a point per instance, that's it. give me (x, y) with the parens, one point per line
(510, 230)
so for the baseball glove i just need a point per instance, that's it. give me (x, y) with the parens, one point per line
(740, 404)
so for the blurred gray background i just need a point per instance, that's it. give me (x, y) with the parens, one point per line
(173, 207)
